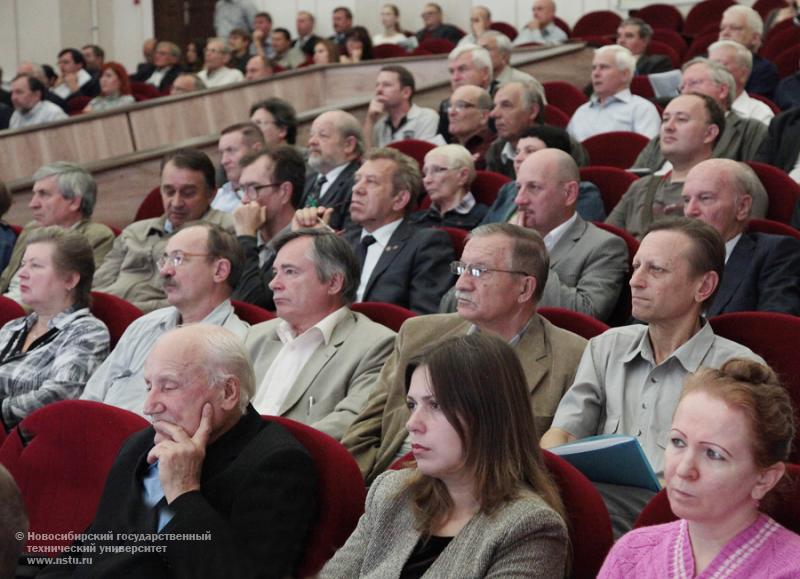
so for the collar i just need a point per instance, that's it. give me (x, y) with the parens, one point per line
(410, 114)
(383, 234)
(34, 109)
(325, 326)
(690, 354)
(334, 173)
(555, 234)
(623, 96)
(463, 208)
(730, 245)
(479, 138)
(514, 340)
(508, 153)
(58, 321)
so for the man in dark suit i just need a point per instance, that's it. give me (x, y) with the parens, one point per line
(210, 490)
(781, 148)
(435, 27)
(306, 39)
(165, 68)
(335, 145)
(635, 35)
(401, 263)
(745, 26)
(762, 272)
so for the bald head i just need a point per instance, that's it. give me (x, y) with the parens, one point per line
(548, 189)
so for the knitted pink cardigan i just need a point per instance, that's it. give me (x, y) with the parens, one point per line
(763, 550)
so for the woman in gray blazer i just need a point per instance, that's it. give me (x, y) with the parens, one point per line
(476, 502)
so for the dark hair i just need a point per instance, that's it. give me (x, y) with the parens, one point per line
(5, 199)
(528, 252)
(708, 249)
(406, 177)
(287, 165)
(224, 245)
(77, 55)
(645, 30)
(96, 50)
(344, 9)
(331, 47)
(200, 46)
(404, 75)
(360, 34)
(263, 15)
(122, 75)
(481, 388)
(241, 33)
(13, 523)
(34, 84)
(716, 116)
(282, 113)
(194, 160)
(251, 134)
(553, 137)
(71, 254)
(331, 255)
(283, 31)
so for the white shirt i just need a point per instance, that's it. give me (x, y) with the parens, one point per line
(557, 233)
(382, 236)
(730, 245)
(330, 177)
(293, 356)
(64, 91)
(220, 77)
(795, 172)
(227, 198)
(750, 108)
(621, 112)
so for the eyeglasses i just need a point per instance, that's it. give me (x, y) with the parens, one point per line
(476, 271)
(176, 259)
(434, 170)
(461, 106)
(251, 190)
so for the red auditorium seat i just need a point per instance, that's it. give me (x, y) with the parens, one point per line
(563, 26)
(151, 205)
(778, 42)
(763, 7)
(504, 28)
(700, 44)
(613, 182)
(783, 191)
(143, 91)
(555, 116)
(9, 310)
(564, 95)
(414, 148)
(772, 227)
(340, 492)
(786, 61)
(388, 315)
(673, 39)
(703, 14)
(76, 104)
(785, 510)
(388, 51)
(116, 313)
(574, 322)
(766, 101)
(597, 23)
(641, 86)
(622, 311)
(458, 238)
(615, 148)
(657, 47)
(437, 45)
(60, 456)
(250, 313)
(486, 185)
(661, 16)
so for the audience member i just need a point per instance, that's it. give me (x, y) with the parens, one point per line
(277, 120)
(477, 501)
(777, 15)
(613, 107)
(787, 95)
(468, 64)
(435, 28)
(392, 116)
(37, 71)
(691, 126)
(499, 47)
(200, 268)
(13, 524)
(740, 138)
(235, 142)
(230, 14)
(148, 54)
(64, 195)
(326, 52)
(635, 34)
(738, 61)
(448, 175)
(258, 68)
(518, 106)
(335, 146)
(401, 263)
(468, 116)
(744, 25)
(392, 32)
(630, 378)
(130, 270)
(306, 39)
(725, 457)
(165, 69)
(28, 95)
(216, 72)
(115, 90)
(342, 21)
(8, 237)
(543, 28)
(762, 272)
(49, 354)
(209, 465)
(501, 277)
(272, 181)
(286, 56)
(74, 80)
(480, 21)
(186, 83)
(781, 148)
(262, 36)
(317, 362)
(357, 45)
(94, 57)
(239, 42)
(195, 53)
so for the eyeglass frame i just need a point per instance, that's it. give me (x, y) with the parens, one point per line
(476, 271)
(177, 259)
(244, 189)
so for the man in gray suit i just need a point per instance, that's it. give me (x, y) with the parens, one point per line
(318, 361)
(588, 266)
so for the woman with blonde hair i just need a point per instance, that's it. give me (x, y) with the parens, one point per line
(392, 32)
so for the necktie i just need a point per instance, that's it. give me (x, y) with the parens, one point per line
(363, 246)
(154, 497)
(314, 196)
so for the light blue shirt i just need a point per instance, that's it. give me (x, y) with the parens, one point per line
(622, 112)
(550, 34)
(153, 494)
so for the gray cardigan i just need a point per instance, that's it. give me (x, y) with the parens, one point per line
(525, 538)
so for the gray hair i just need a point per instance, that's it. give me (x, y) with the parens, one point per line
(503, 42)
(480, 56)
(223, 41)
(754, 21)
(719, 75)
(623, 58)
(72, 182)
(645, 30)
(331, 255)
(744, 58)
(223, 356)
(458, 157)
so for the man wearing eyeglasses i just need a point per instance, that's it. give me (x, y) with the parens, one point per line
(468, 116)
(467, 65)
(200, 266)
(129, 270)
(272, 183)
(501, 276)
(235, 142)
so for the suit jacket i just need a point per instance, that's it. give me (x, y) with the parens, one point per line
(650, 63)
(337, 195)
(782, 145)
(256, 504)
(523, 535)
(588, 267)
(414, 269)
(339, 375)
(145, 71)
(762, 273)
(253, 286)
(377, 435)
(763, 78)
(308, 46)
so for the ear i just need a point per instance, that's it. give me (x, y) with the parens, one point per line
(743, 209)
(463, 175)
(571, 190)
(406, 92)
(708, 284)
(286, 189)
(535, 110)
(335, 284)
(767, 480)
(75, 203)
(282, 132)
(71, 280)
(400, 201)
(222, 270)
(528, 289)
(350, 145)
(231, 393)
(711, 133)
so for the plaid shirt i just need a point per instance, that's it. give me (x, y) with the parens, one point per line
(55, 367)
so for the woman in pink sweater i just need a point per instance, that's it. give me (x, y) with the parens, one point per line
(730, 435)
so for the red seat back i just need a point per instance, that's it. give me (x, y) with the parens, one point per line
(115, 313)
(615, 148)
(703, 14)
(61, 462)
(414, 148)
(786, 61)
(763, 7)
(613, 182)
(658, 47)
(700, 44)
(671, 38)
(250, 313)
(458, 239)
(772, 227)
(778, 42)
(622, 311)
(390, 315)
(9, 310)
(388, 51)
(143, 91)
(486, 185)
(340, 491)
(555, 116)
(563, 26)
(151, 206)
(504, 28)
(783, 191)
(564, 95)
(76, 104)
(574, 322)
(641, 86)
(661, 16)
(598, 22)
(437, 45)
